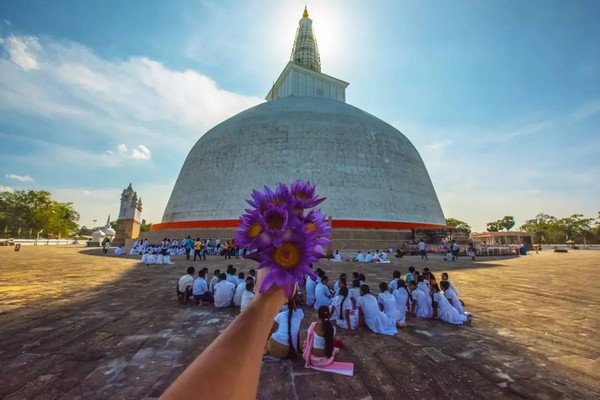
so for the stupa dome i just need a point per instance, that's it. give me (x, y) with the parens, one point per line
(367, 169)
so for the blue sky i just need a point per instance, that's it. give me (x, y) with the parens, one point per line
(502, 99)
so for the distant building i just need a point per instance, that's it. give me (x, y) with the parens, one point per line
(501, 238)
(130, 217)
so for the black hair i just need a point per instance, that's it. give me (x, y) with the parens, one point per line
(365, 289)
(324, 316)
(356, 283)
(355, 275)
(291, 308)
(217, 272)
(191, 270)
(426, 269)
(252, 272)
(362, 277)
(445, 285)
(202, 273)
(343, 275)
(343, 292)
(401, 283)
(445, 273)
(435, 287)
(421, 278)
(241, 275)
(250, 285)
(233, 270)
(396, 274)
(222, 276)
(411, 269)
(320, 273)
(324, 278)
(383, 287)
(343, 280)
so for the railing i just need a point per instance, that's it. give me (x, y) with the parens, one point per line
(43, 242)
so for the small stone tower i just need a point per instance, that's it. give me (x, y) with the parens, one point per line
(130, 215)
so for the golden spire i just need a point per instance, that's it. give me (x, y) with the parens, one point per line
(305, 13)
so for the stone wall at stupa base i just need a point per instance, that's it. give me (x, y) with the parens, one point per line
(343, 238)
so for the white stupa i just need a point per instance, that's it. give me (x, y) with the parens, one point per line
(372, 175)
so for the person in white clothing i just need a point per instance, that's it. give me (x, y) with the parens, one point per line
(422, 286)
(224, 292)
(343, 310)
(452, 297)
(239, 291)
(310, 291)
(336, 285)
(402, 297)
(337, 257)
(394, 282)
(322, 293)
(248, 294)
(420, 307)
(387, 303)
(200, 288)
(372, 316)
(184, 286)
(445, 278)
(369, 257)
(119, 251)
(284, 341)
(444, 311)
(360, 257)
(423, 249)
(214, 280)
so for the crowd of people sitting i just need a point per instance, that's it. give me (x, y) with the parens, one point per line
(348, 304)
(161, 253)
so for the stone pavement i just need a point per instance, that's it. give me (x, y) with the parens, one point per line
(75, 324)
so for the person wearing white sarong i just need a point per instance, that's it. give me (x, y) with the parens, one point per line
(402, 300)
(119, 251)
(387, 302)
(369, 257)
(445, 311)
(383, 256)
(322, 293)
(160, 259)
(343, 310)
(167, 260)
(224, 292)
(374, 318)
(420, 306)
(310, 291)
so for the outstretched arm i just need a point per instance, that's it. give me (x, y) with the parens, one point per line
(211, 374)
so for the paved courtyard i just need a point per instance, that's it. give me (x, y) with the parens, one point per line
(75, 324)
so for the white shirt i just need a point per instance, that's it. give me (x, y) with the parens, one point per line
(213, 281)
(369, 257)
(224, 292)
(239, 291)
(185, 281)
(393, 285)
(422, 246)
(322, 295)
(338, 257)
(360, 257)
(200, 286)
(281, 335)
(247, 297)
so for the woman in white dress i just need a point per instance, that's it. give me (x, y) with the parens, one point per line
(387, 303)
(453, 297)
(343, 311)
(310, 291)
(423, 287)
(402, 297)
(420, 307)
(373, 317)
(444, 311)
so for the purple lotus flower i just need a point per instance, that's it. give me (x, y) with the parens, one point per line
(304, 195)
(316, 224)
(287, 242)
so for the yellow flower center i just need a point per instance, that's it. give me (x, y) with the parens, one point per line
(310, 227)
(301, 195)
(275, 221)
(287, 256)
(255, 230)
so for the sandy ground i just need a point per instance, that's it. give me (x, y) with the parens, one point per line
(75, 324)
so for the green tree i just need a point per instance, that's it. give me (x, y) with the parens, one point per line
(541, 226)
(458, 224)
(145, 227)
(575, 226)
(506, 223)
(36, 211)
(493, 226)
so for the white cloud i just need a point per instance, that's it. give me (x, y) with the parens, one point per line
(439, 144)
(6, 189)
(139, 153)
(22, 51)
(20, 178)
